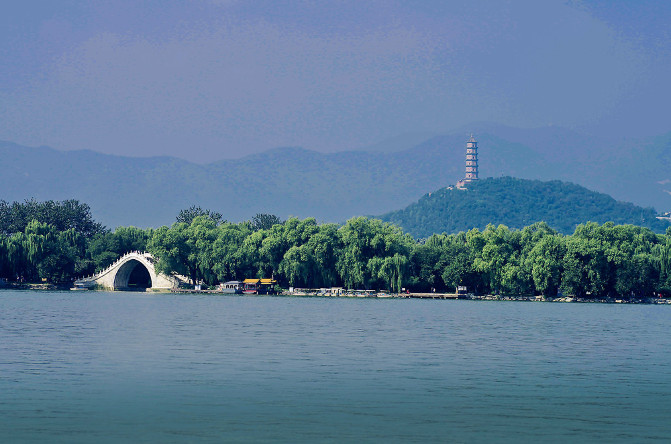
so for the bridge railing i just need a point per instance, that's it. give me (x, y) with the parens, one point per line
(109, 268)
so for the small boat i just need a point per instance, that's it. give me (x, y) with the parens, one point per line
(83, 286)
(231, 287)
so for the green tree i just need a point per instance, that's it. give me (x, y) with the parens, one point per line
(299, 266)
(186, 249)
(262, 221)
(546, 262)
(251, 262)
(588, 264)
(324, 246)
(310, 261)
(363, 240)
(496, 250)
(427, 261)
(227, 253)
(104, 248)
(187, 216)
(65, 215)
(50, 254)
(665, 263)
(393, 270)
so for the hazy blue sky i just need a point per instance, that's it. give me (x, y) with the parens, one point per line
(208, 79)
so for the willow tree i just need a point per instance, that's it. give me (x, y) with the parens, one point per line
(665, 263)
(186, 249)
(364, 243)
(394, 270)
(546, 261)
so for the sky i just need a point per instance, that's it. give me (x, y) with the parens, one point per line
(206, 80)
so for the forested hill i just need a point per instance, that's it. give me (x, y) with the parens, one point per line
(517, 203)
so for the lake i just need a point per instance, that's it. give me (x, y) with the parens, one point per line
(145, 367)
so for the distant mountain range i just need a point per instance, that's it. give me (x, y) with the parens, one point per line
(335, 186)
(517, 203)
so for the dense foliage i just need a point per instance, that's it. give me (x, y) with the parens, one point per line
(57, 241)
(596, 261)
(517, 203)
(62, 216)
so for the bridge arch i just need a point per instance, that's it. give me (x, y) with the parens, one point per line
(133, 270)
(133, 275)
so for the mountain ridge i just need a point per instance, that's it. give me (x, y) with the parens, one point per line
(296, 181)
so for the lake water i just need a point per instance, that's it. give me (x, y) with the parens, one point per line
(142, 367)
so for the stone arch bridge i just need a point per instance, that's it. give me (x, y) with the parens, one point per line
(132, 271)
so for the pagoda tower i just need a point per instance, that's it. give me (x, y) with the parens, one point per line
(471, 162)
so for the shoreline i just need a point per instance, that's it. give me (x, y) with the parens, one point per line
(360, 295)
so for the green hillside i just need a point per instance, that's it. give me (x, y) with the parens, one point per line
(517, 203)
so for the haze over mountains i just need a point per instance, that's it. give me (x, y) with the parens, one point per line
(336, 186)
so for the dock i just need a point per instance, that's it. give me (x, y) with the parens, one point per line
(193, 291)
(431, 295)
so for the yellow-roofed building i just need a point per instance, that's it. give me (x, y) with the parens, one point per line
(259, 286)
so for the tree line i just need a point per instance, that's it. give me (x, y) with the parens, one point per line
(59, 241)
